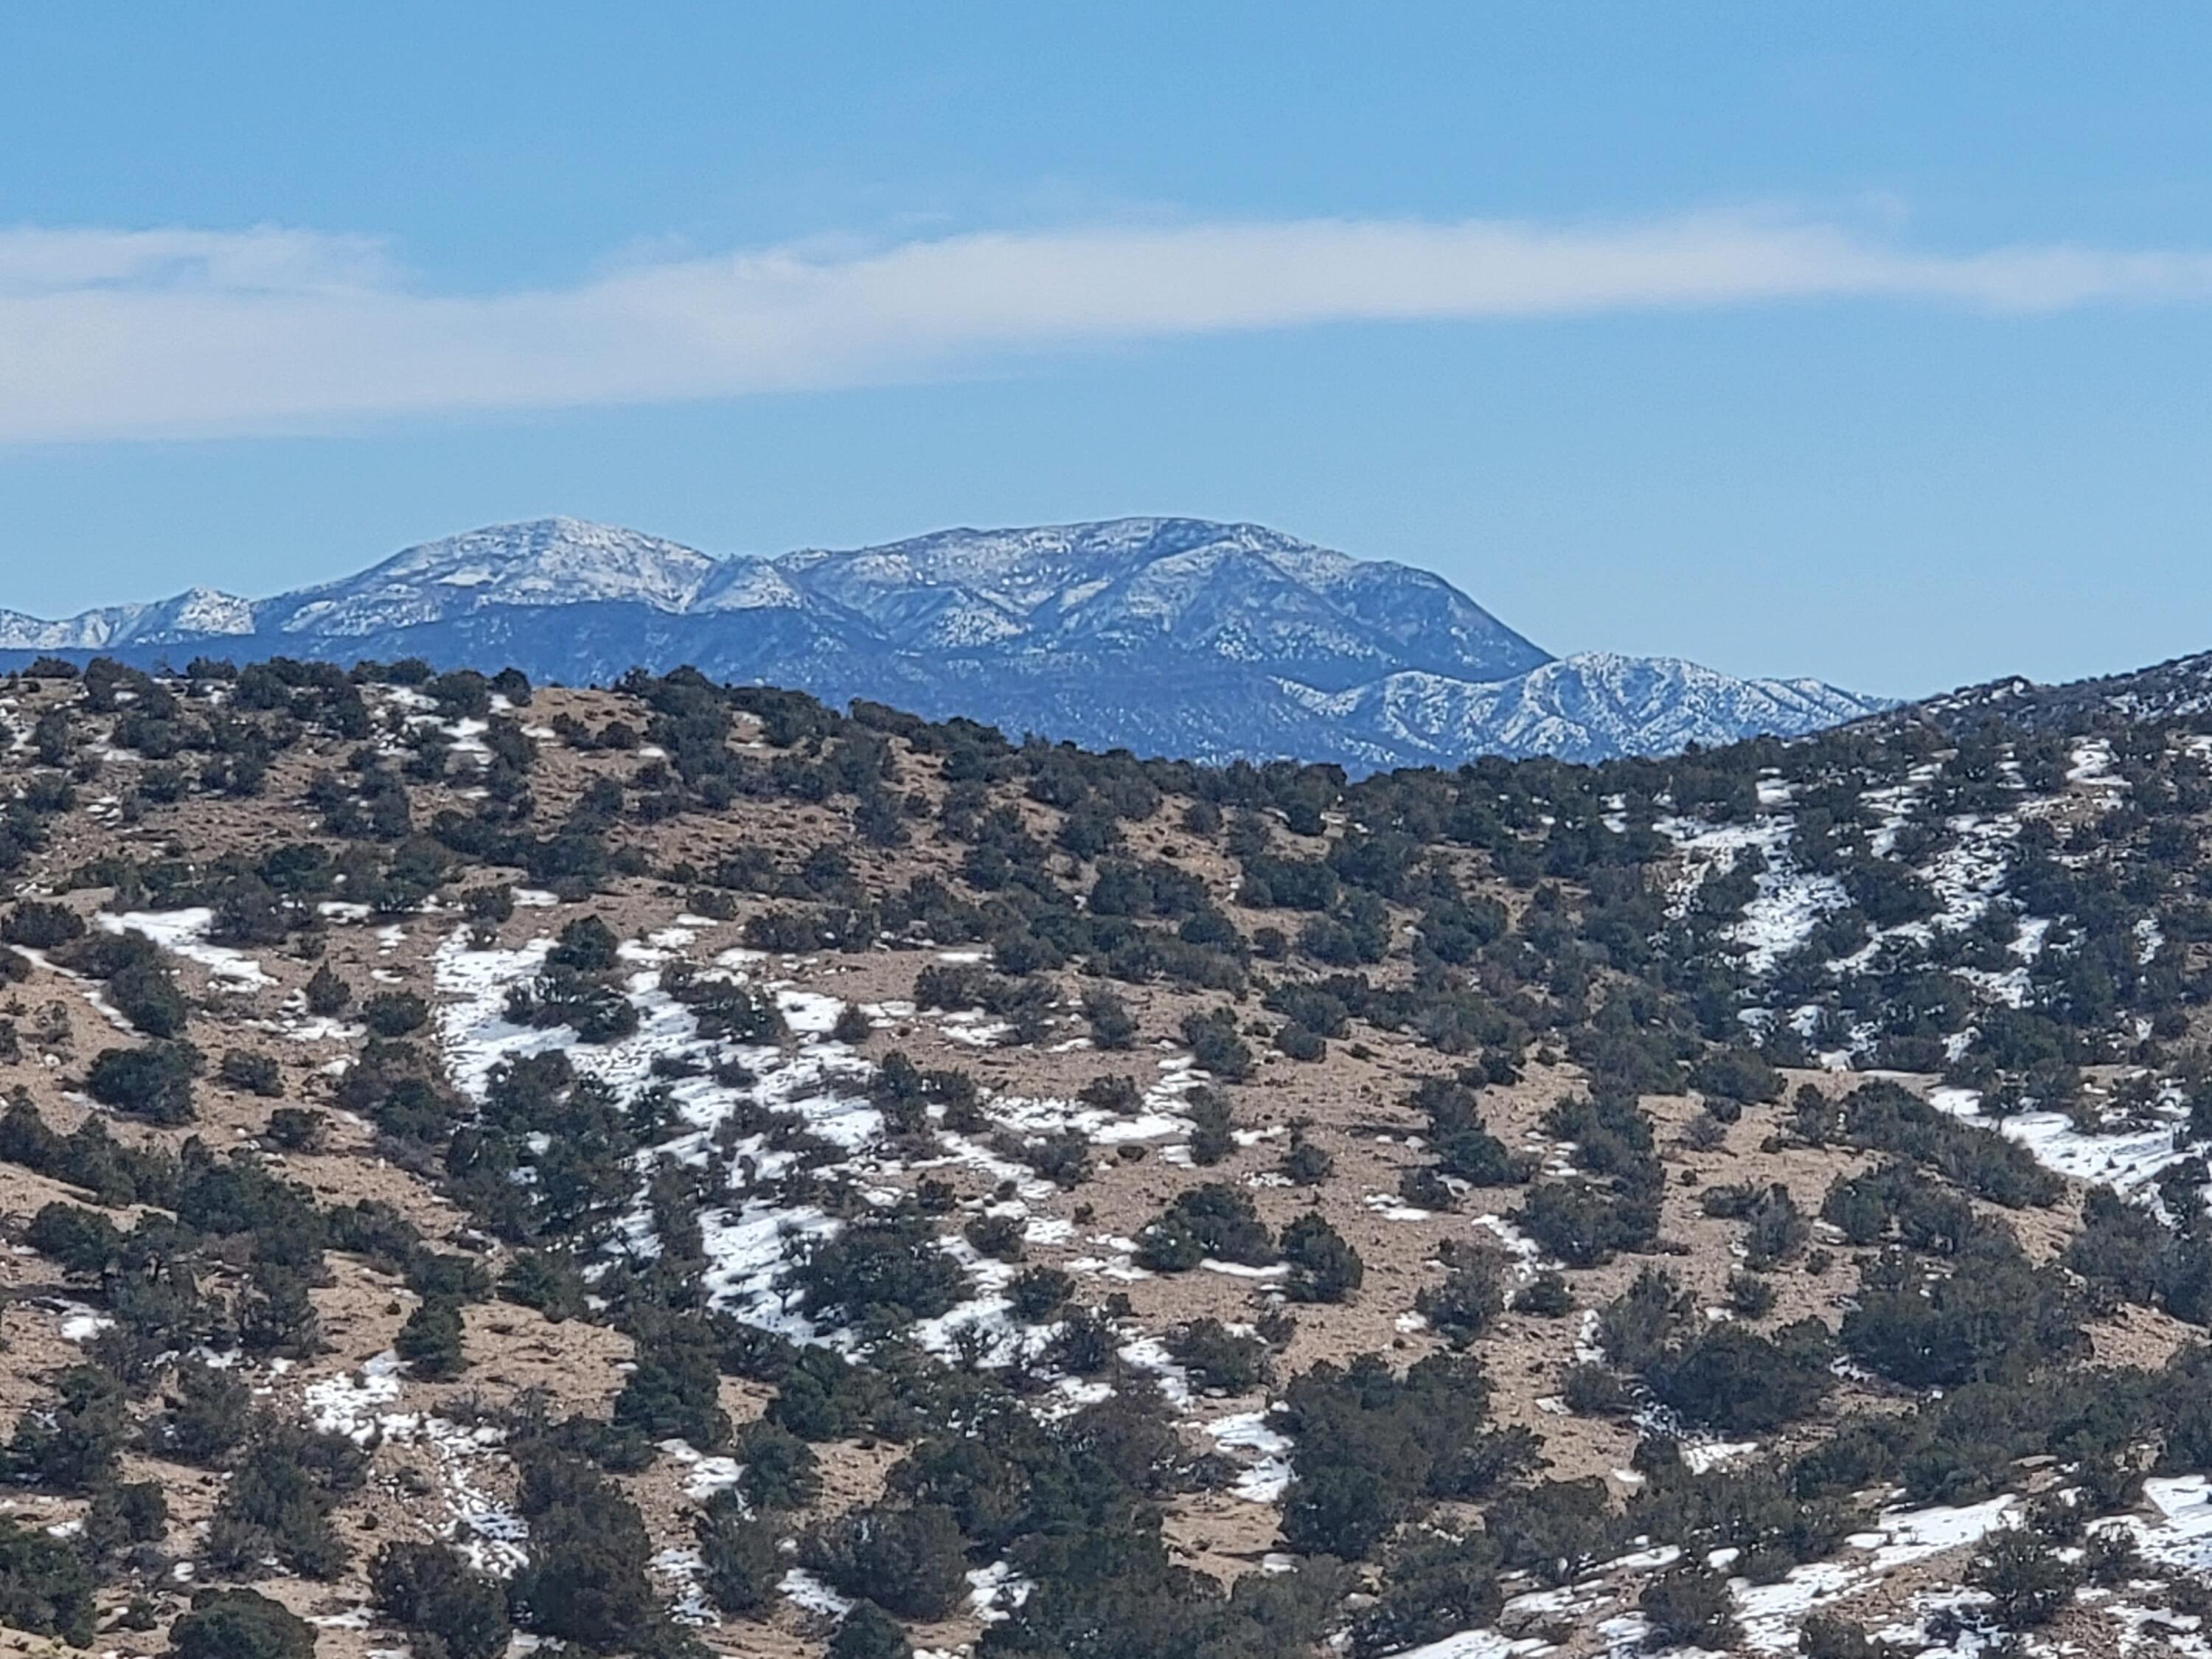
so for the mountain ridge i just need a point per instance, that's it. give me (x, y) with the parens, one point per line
(1206, 640)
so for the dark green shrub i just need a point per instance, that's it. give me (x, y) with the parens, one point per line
(779, 1470)
(73, 1442)
(154, 1082)
(740, 1560)
(883, 1268)
(239, 1624)
(255, 1074)
(1037, 1293)
(296, 1128)
(672, 1393)
(1217, 1359)
(1214, 1220)
(279, 1499)
(146, 994)
(587, 945)
(37, 925)
(587, 1580)
(327, 994)
(868, 1632)
(208, 1413)
(2029, 1582)
(1688, 1606)
(1324, 1267)
(127, 1512)
(1215, 1048)
(83, 1241)
(428, 1588)
(395, 1013)
(431, 1340)
(45, 1588)
(1547, 1296)
(910, 1560)
(1468, 1301)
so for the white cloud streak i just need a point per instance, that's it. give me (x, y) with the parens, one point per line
(181, 333)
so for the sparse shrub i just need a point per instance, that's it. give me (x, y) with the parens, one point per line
(154, 1082)
(1213, 1220)
(1750, 1295)
(1039, 1292)
(868, 1632)
(1217, 1359)
(239, 1624)
(395, 1013)
(327, 994)
(909, 1559)
(1468, 1301)
(428, 1588)
(254, 1073)
(431, 1340)
(45, 1587)
(1547, 1295)
(296, 1128)
(1689, 1605)
(1324, 1267)
(779, 1470)
(37, 925)
(2029, 1581)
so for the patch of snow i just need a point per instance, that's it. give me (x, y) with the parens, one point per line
(184, 933)
(1268, 1475)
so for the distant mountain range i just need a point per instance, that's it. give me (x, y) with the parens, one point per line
(1176, 637)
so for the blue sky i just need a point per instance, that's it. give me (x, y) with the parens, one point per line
(1866, 342)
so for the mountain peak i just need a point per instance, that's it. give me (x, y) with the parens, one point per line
(1241, 592)
(537, 561)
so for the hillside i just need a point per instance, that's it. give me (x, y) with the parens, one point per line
(677, 1168)
(1166, 636)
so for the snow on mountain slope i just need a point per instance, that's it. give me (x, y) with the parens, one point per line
(2180, 689)
(1241, 592)
(1588, 706)
(197, 612)
(745, 585)
(545, 562)
(1169, 635)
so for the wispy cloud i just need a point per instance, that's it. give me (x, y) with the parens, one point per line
(136, 334)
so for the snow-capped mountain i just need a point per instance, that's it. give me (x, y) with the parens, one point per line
(1243, 592)
(546, 562)
(1174, 636)
(197, 613)
(1589, 706)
